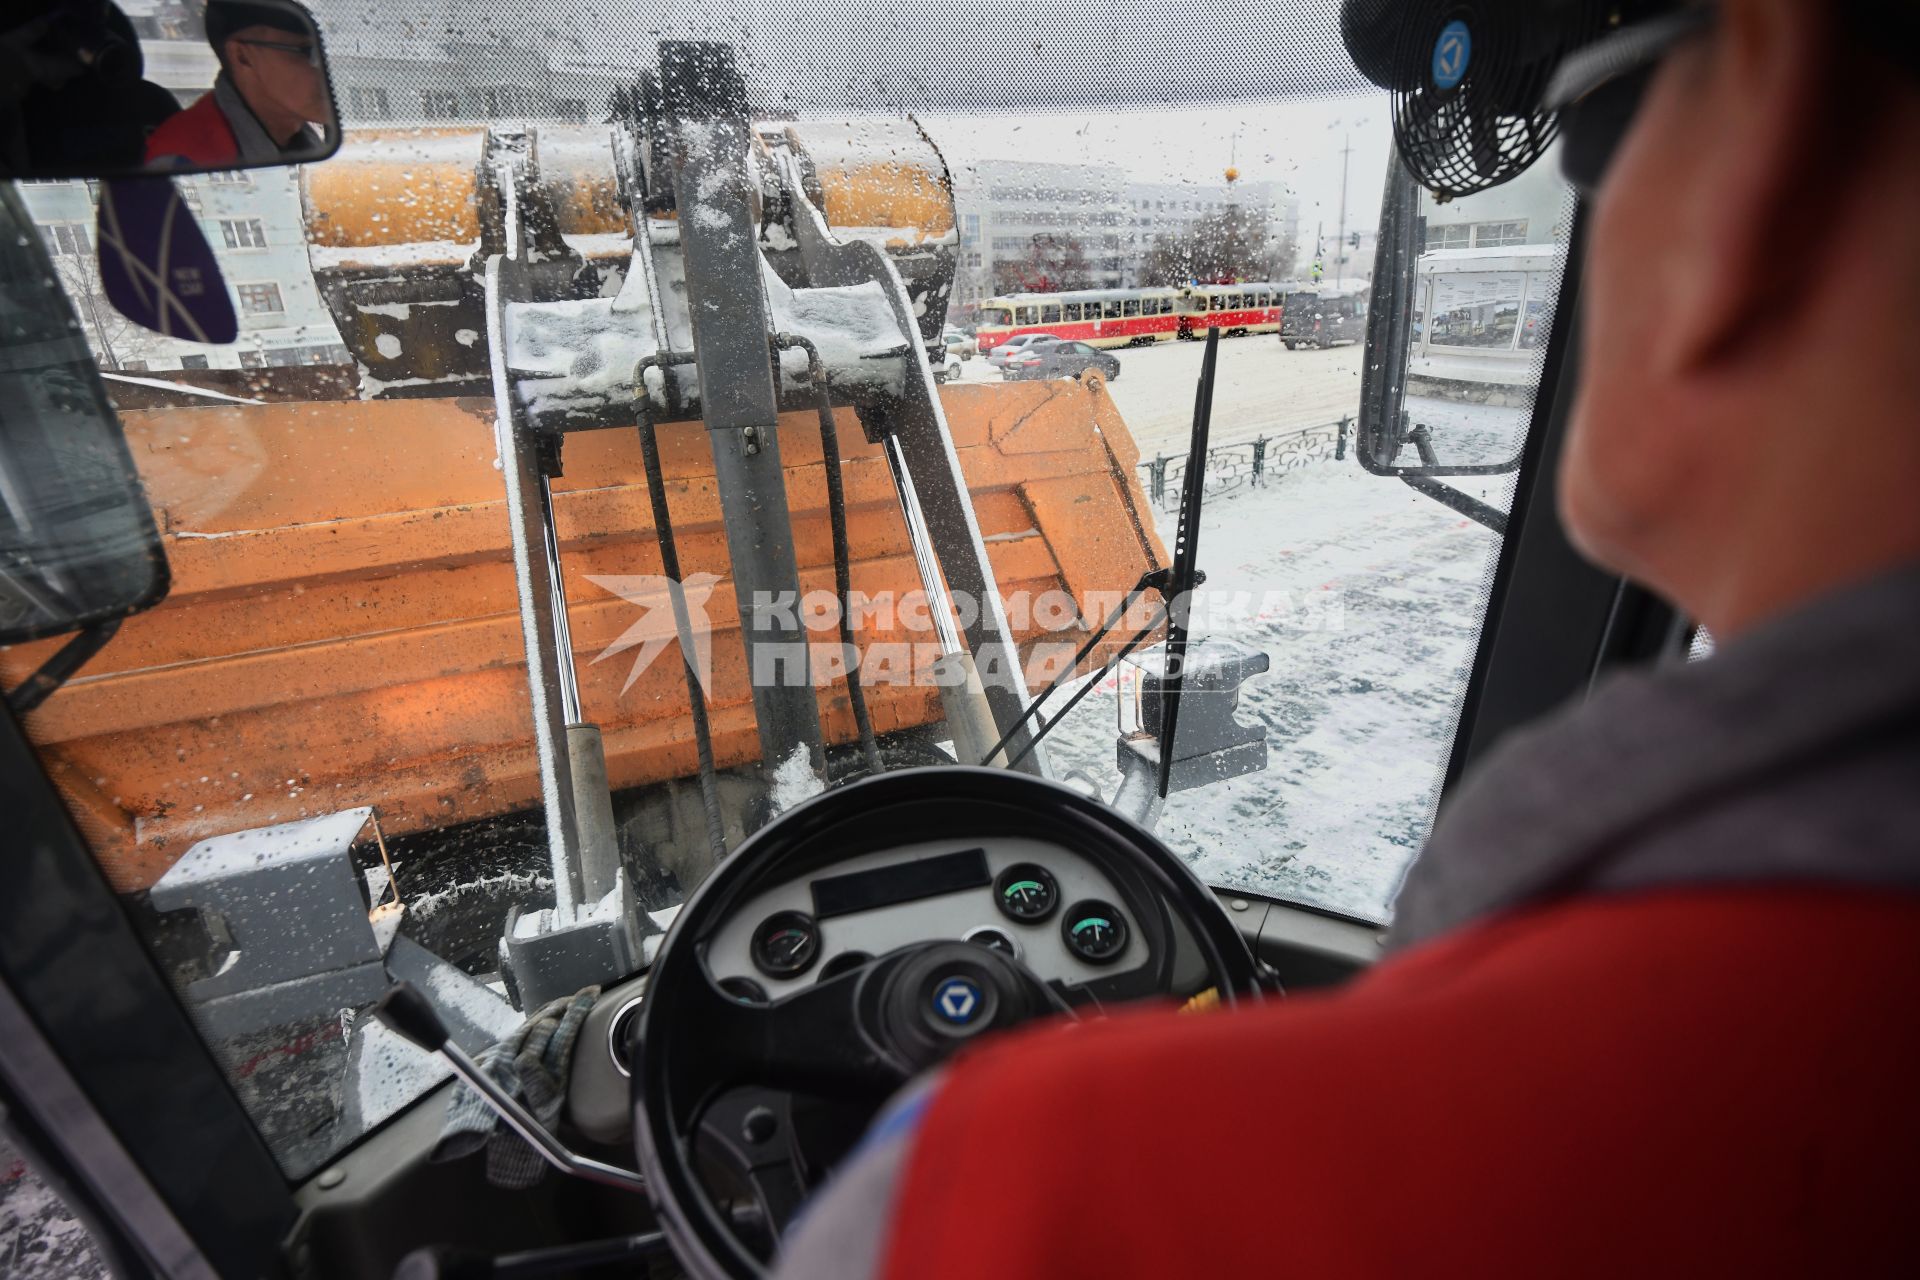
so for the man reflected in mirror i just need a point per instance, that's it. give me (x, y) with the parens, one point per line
(265, 105)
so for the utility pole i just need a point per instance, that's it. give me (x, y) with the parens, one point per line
(1340, 244)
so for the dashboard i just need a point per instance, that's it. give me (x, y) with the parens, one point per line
(1032, 899)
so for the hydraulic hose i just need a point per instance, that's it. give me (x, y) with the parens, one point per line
(670, 567)
(842, 553)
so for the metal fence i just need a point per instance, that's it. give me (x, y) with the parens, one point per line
(1247, 463)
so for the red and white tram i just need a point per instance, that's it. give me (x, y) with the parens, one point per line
(1099, 317)
(1129, 317)
(1253, 307)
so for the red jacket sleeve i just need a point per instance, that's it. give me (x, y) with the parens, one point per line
(199, 135)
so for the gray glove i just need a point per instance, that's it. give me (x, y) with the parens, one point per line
(532, 1065)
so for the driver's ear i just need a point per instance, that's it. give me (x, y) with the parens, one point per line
(1763, 85)
(238, 55)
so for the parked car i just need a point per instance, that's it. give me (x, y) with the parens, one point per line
(1056, 359)
(1013, 346)
(1320, 319)
(947, 367)
(960, 344)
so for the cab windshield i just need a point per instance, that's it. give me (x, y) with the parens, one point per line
(351, 658)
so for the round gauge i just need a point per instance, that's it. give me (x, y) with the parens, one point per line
(993, 940)
(1095, 931)
(786, 944)
(744, 990)
(845, 962)
(1026, 892)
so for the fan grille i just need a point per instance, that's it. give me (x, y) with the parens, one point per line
(1489, 126)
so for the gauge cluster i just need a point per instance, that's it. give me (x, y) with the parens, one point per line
(1036, 901)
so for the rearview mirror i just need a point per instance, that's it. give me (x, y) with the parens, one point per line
(1464, 294)
(78, 546)
(233, 86)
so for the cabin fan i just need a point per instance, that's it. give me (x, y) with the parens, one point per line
(1467, 78)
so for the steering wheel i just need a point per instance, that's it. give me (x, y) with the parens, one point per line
(858, 1035)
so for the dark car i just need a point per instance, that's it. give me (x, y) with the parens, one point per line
(1320, 319)
(1056, 358)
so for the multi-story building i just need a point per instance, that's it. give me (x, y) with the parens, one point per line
(433, 61)
(1005, 205)
(253, 222)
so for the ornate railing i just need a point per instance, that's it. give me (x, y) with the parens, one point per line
(1247, 463)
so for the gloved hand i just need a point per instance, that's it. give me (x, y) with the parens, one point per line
(532, 1064)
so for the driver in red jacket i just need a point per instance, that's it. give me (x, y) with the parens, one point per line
(1650, 1001)
(265, 102)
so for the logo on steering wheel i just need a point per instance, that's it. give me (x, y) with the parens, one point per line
(957, 1000)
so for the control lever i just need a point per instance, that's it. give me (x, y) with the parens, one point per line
(408, 1014)
(439, 1262)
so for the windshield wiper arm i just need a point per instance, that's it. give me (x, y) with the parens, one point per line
(1153, 579)
(60, 668)
(1186, 551)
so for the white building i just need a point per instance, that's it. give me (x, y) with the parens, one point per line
(1003, 205)
(253, 222)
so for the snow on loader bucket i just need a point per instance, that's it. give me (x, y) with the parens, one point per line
(349, 624)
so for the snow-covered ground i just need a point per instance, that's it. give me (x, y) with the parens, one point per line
(1366, 598)
(38, 1238)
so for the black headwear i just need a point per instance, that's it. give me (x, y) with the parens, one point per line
(224, 17)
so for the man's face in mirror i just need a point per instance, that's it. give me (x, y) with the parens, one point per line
(275, 72)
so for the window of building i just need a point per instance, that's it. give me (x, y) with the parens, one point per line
(439, 104)
(243, 233)
(193, 362)
(67, 239)
(1459, 235)
(230, 178)
(504, 100)
(368, 102)
(972, 232)
(1487, 235)
(260, 299)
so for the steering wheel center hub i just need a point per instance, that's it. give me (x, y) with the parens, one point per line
(950, 992)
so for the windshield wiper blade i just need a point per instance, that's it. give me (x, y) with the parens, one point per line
(1186, 552)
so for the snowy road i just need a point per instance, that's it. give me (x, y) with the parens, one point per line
(1262, 389)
